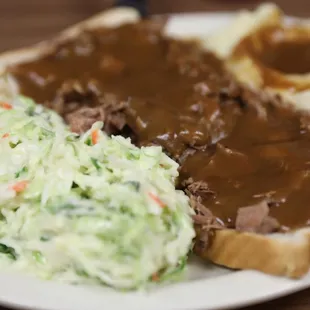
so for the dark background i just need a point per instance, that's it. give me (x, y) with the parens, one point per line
(24, 22)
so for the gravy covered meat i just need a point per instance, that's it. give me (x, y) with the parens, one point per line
(244, 159)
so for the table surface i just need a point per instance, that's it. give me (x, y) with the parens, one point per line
(26, 22)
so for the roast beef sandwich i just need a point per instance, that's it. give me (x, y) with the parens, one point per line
(244, 155)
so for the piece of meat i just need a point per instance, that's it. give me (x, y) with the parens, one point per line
(82, 106)
(205, 223)
(203, 216)
(82, 119)
(256, 219)
(251, 218)
(200, 189)
(72, 95)
(269, 225)
(202, 240)
(115, 111)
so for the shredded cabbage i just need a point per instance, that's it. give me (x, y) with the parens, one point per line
(78, 212)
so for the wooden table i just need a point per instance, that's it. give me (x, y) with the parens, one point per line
(25, 22)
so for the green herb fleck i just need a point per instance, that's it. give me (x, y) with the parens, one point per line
(86, 193)
(71, 138)
(175, 273)
(38, 257)
(132, 156)
(2, 217)
(59, 208)
(135, 184)
(46, 133)
(95, 163)
(88, 141)
(81, 273)
(13, 145)
(45, 238)
(30, 111)
(10, 252)
(74, 185)
(47, 235)
(68, 206)
(83, 169)
(20, 172)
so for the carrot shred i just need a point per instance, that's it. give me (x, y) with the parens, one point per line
(155, 277)
(95, 136)
(6, 106)
(19, 186)
(157, 200)
(6, 135)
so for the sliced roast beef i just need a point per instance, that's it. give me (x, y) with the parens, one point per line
(255, 219)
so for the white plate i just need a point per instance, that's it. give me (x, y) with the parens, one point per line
(207, 287)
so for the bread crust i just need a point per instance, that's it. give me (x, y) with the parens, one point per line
(278, 254)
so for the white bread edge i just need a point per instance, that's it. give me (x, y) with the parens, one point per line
(224, 40)
(110, 18)
(280, 254)
(277, 254)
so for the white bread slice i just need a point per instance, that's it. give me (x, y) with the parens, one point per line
(282, 254)
(278, 254)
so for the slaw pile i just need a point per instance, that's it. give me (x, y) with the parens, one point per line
(87, 209)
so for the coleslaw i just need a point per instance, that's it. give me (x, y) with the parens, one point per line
(87, 209)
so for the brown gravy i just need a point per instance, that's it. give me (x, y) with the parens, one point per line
(277, 51)
(181, 98)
